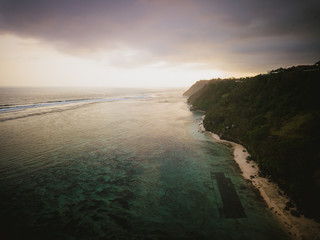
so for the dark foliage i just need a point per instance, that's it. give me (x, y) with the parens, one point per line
(195, 87)
(276, 116)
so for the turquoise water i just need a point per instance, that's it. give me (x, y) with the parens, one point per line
(131, 165)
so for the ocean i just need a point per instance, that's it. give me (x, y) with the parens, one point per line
(119, 164)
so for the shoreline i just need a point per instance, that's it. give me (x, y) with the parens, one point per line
(298, 227)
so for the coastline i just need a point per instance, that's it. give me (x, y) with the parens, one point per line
(299, 227)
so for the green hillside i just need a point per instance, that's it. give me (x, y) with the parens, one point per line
(195, 87)
(276, 116)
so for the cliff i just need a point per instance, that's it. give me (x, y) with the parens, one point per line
(277, 117)
(195, 87)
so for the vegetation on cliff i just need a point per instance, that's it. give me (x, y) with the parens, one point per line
(195, 87)
(276, 116)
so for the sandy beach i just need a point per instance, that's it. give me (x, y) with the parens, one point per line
(299, 227)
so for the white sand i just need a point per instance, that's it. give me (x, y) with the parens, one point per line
(300, 228)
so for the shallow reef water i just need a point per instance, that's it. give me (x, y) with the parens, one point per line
(135, 167)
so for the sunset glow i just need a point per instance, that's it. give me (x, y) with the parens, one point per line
(148, 43)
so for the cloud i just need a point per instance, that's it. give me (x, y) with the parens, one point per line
(247, 35)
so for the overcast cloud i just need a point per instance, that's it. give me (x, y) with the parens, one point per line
(247, 35)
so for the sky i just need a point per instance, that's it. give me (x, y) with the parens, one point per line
(152, 43)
